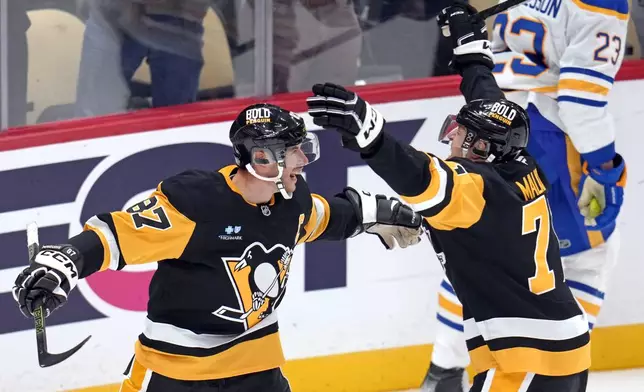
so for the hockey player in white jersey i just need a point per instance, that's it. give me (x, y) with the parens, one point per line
(559, 59)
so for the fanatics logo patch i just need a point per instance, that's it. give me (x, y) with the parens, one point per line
(230, 231)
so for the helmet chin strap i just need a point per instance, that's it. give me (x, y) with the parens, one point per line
(277, 179)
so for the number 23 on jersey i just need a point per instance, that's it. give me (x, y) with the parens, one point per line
(608, 46)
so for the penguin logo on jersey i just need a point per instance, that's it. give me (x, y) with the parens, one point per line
(259, 279)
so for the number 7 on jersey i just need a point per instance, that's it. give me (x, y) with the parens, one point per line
(537, 210)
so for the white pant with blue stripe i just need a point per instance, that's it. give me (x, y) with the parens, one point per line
(586, 273)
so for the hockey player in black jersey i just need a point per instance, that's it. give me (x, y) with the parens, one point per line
(488, 220)
(223, 241)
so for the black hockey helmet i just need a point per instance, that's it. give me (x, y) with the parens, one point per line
(264, 125)
(496, 129)
(265, 134)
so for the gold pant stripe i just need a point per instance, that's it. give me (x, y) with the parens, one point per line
(450, 306)
(590, 308)
(247, 357)
(531, 360)
(574, 165)
(134, 382)
(595, 238)
(506, 382)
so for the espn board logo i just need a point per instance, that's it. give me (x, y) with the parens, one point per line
(80, 187)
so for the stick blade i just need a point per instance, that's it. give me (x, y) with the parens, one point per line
(47, 359)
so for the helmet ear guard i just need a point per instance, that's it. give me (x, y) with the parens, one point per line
(477, 146)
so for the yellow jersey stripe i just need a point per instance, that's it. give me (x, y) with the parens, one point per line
(532, 360)
(310, 225)
(247, 357)
(144, 243)
(106, 247)
(466, 202)
(548, 89)
(590, 308)
(320, 222)
(435, 188)
(580, 85)
(451, 307)
(600, 10)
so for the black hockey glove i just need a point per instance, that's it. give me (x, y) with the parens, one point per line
(468, 34)
(48, 280)
(392, 221)
(335, 107)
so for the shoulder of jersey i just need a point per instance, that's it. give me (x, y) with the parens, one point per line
(499, 172)
(616, 8)
(471, 166)
(198, 194)
(515, 170)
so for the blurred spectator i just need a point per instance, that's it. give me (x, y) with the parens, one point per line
(403, 34)
(120, 34)
(637, 15)
(444, 50)
(17, 64)
(328, 44)
(313, 40)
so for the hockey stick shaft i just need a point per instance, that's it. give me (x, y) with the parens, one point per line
(33, 246)
(498, 8)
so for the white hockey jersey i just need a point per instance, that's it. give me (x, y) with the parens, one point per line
(564, 54)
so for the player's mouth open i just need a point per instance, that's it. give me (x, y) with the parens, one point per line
(296, 173)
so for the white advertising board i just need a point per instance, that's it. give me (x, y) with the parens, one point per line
(367, 299)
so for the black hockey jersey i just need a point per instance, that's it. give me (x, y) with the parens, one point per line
(222, 272)
(490, 226)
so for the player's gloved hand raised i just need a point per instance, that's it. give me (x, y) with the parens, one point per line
(606, 186)
(51, 275)
(468, 34)
(392, 221)
(335, 107)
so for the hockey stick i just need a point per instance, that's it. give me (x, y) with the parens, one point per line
(498, 8)
(286, 266)
(225, 311)
(45, 359)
